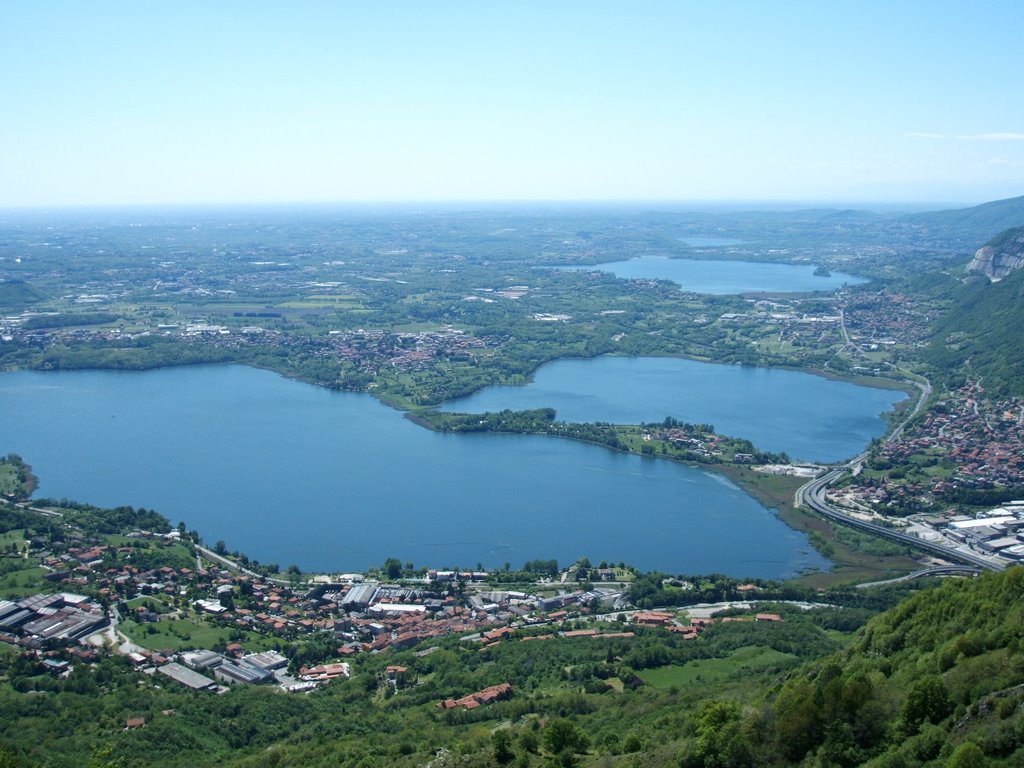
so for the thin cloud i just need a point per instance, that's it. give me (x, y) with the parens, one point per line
(970, 137)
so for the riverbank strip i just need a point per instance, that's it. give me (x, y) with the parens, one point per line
(851, 565)
(774, 491)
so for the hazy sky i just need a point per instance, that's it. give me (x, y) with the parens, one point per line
(216, 101)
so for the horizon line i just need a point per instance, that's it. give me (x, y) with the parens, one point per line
(759, 203)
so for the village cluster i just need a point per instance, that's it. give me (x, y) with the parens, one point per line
(356, 614)
(967, 442)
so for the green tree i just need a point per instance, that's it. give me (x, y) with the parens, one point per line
(501, 743)
(529, 741)
(798, 719)
(967, 755)
(927, 702)
(721, 741)
(563, 734)
(393, 568)
(632, 743)
(102, 758)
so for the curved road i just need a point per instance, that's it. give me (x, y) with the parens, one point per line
(812, 495)
(939, 570)
(926, 391)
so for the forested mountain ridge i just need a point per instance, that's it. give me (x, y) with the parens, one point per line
(979, 336)
(936, 681)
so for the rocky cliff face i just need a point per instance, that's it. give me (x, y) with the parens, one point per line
(1003, 254)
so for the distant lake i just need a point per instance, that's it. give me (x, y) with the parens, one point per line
(809, 417)
(291, 473)
(714, 276)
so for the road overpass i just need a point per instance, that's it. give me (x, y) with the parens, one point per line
(938, 570)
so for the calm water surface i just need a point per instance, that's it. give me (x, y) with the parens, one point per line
(809, 417)
(291, 473)
(726, 277)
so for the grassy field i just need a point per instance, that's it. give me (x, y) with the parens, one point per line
(322, 301)
(851, 564)
(118, 540)
(9, 483)
(184, 634)
(20, 576)
(774, 491)
(160, 603)
(15, 537)
(176, 634)
(708, 671)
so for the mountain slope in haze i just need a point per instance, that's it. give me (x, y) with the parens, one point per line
(971, 225)
(16, 294)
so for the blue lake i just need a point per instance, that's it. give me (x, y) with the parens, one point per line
(291, 473)
(714, 276)
(809, 417)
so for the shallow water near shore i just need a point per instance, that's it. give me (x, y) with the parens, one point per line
(291, 473)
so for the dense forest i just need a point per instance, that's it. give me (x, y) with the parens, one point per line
(979, 336)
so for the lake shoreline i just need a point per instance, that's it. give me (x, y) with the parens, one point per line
(775, 493)
(704, 276)
(224, 448)
(752, 486)
(743, 401)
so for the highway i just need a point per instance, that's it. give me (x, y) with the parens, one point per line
(938, 570)
(812, 495)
